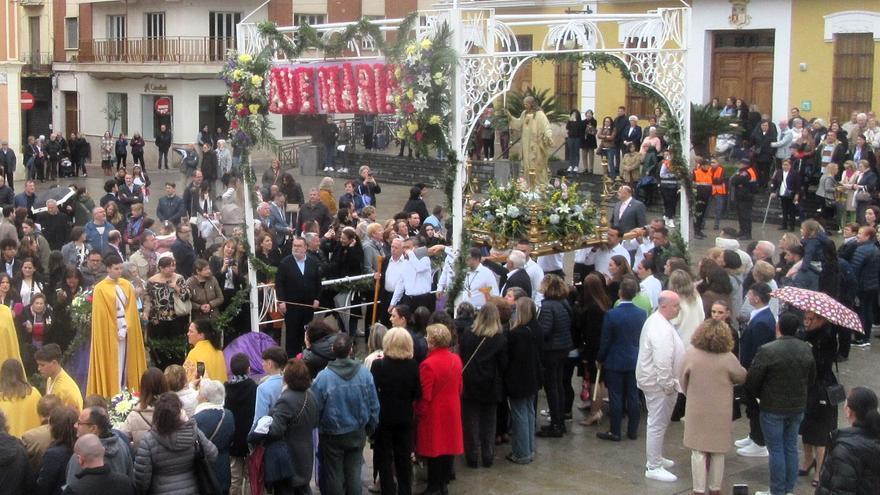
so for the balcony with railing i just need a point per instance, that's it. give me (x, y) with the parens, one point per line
(36, 62)
(167, 50)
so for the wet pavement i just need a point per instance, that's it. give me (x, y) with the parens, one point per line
(579, 463)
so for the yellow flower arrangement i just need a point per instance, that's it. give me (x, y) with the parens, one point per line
(434, 120)
(254, 108)
(412, 126)
(410, 93)
(230, 101)
(244, 58)
(256, 80)
(239, 106)
(237, 74)
(426, 44)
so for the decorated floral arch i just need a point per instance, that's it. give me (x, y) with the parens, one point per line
(443, 69)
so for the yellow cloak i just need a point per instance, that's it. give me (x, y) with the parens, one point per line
(8, 336)
(104, 358)
(215, 363)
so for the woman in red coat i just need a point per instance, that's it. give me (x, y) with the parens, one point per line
(439, 436)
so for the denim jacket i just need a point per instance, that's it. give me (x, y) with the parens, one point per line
(347, 398)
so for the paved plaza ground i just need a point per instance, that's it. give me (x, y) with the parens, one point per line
(579, 463)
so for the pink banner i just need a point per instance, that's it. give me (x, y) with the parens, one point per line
(364, 86)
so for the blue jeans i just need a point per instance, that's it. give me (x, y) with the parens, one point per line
(522, 427)
(613, 156)
(329, 154)
(623, 390)
(573, 151)
(780, 433)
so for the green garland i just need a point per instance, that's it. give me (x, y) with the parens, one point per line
(672, 127)
(169, 349)
(226, 317)
(459, 267)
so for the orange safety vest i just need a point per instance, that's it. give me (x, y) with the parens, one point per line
(719, 185)
(702, 178)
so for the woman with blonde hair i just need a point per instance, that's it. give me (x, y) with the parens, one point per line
(396, 376)
(483, 349)
(375, 346)
(708, 375)
(848, 179)
(523, 380)
(325, 191)
(691, 313)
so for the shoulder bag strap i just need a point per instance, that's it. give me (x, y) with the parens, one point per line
(301, 409)
(219, 424)
(472, 355)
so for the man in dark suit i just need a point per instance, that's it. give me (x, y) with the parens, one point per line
(183, 251)
(760, 330)
(7, 161)
(629, 213)
(787, 185)
(618, 354)
(632, 134)
(298, 288)
(129, 194)
(516, 275)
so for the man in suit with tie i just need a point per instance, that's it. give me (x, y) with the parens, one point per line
(298, 288)
(629, 213)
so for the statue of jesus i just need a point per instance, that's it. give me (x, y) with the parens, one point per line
(537, 137)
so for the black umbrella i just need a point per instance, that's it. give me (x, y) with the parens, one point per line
(61, 194)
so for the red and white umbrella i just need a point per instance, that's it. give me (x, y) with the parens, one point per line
(822, 304)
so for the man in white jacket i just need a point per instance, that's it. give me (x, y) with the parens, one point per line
(661, 353)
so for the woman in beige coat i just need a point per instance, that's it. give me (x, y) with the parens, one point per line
(205, 292)
(140, 420)
(709, 373)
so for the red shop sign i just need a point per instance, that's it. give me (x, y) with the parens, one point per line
(163, 106)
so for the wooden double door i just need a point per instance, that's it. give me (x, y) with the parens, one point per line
(746, 75)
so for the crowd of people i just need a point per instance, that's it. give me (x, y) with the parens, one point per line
(642, 326)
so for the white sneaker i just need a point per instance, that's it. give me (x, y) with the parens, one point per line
(763, 493)
(753, 450)
(660, 474)
(667, 463)
(743, 442)
(329, 169)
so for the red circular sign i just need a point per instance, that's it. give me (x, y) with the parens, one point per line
(163, 106)
(27, 100)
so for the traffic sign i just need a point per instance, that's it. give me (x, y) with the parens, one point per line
(163, 106)
(27, 100)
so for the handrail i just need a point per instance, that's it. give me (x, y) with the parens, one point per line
(167, 49)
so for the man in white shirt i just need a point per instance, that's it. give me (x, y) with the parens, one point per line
(649, 284)
(415, 287)
(601, 256)
(661, 354)
(552, 263)
(643, 244)
(476, 281)
(394, 269)
(536, 273)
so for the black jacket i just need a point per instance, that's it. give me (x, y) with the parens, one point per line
(398, 386)
(55, 228)
(296, 287)
(523, 379)
(294, 416)
(852, 465)
(416, 204)
(163, 140)
(780, 375)
(241, 396)
(53, 471)
(15, 470)
(100, 480)
(485, 366)
(520, 278)
(209, 166)
(185, 256)
(554, 322)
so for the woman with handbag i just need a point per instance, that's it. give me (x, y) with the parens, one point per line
(820, 416)
(294, 417)
(864, 188)
(483, 349)
(171, 457)
(170, 307)
(218, 425)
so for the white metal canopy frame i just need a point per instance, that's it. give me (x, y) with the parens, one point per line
(654, 50)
